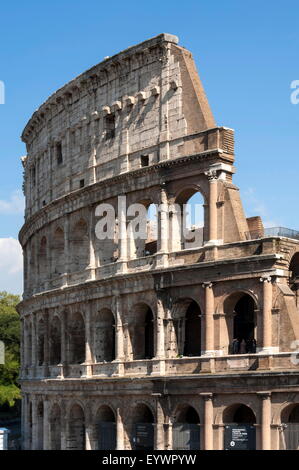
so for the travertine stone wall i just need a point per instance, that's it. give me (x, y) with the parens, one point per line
(97, 314)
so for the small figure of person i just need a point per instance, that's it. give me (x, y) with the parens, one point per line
(236, 346)
(243, 347)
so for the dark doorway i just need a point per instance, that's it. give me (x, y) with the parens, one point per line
(244, 326)
(186, 431)
(240, 433)
(143, 429)
(149, 335)
(290, 435)
(192, 345)
(106, 429)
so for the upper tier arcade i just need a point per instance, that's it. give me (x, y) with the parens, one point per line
(138, 108)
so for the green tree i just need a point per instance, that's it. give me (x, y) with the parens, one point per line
(10, 335)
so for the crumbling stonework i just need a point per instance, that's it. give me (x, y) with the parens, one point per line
(207, 328)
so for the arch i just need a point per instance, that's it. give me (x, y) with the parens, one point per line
(79, 246)
(239, 413)
(187, 414)
(105, 336)
(40, 342)
(76, 338)
(188, 219)
(289, 437)
(142, 229)
(76, 428)
(239, 420)
(55, 341)
(142, 332)
(186, 315)
(58, 251)
(142, 434)
(186, 429)
(106, 428)
(55, 427)
(240, 326)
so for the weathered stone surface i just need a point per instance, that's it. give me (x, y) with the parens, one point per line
(98, 314)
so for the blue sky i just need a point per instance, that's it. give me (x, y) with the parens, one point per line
(247, 57)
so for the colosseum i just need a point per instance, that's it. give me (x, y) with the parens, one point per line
(182, 339)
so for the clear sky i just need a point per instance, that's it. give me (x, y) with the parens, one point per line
(247, 57)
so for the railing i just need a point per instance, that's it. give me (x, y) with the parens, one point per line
(272, 232)
(169, 366)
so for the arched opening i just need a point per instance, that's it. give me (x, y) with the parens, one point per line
(244, 326)
(40, 426)
(150, 247)
(294, 276)
(76, 429)
(58, 252)
(106, 427)
(76, 338)
(79, 246)
(192, 345)
(55, 428)
(240, 331)
(142, 229)
(40, 343)
(187, 220)
(186, 430)
(289, 439)
(185, 334)
(42, 259)
(143, 428)
(105, 336)
(239, 429)
(55, 341)
(143, 332)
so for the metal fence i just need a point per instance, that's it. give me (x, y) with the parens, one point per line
(272, 232)
(290, 437)
(186, 436)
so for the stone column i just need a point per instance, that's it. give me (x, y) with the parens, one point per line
(46, 344)
(160, 338)
(66, 248)
(34, 424)
(119, 334)
(88, 341)
(267, 313)
(213, 190)
(208, 323)
(63, 343)
(46, 444)
(25, 423)
(208, 421)
(159, 431)
(64, 429)
(163, 228)
(122, 233)
(88, 428)
(119, 431)
(26, 343)
(92, 258)
(265, 421)
(170, 434)
(33, 344)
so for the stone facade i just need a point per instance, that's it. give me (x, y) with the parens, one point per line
(149, 343)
